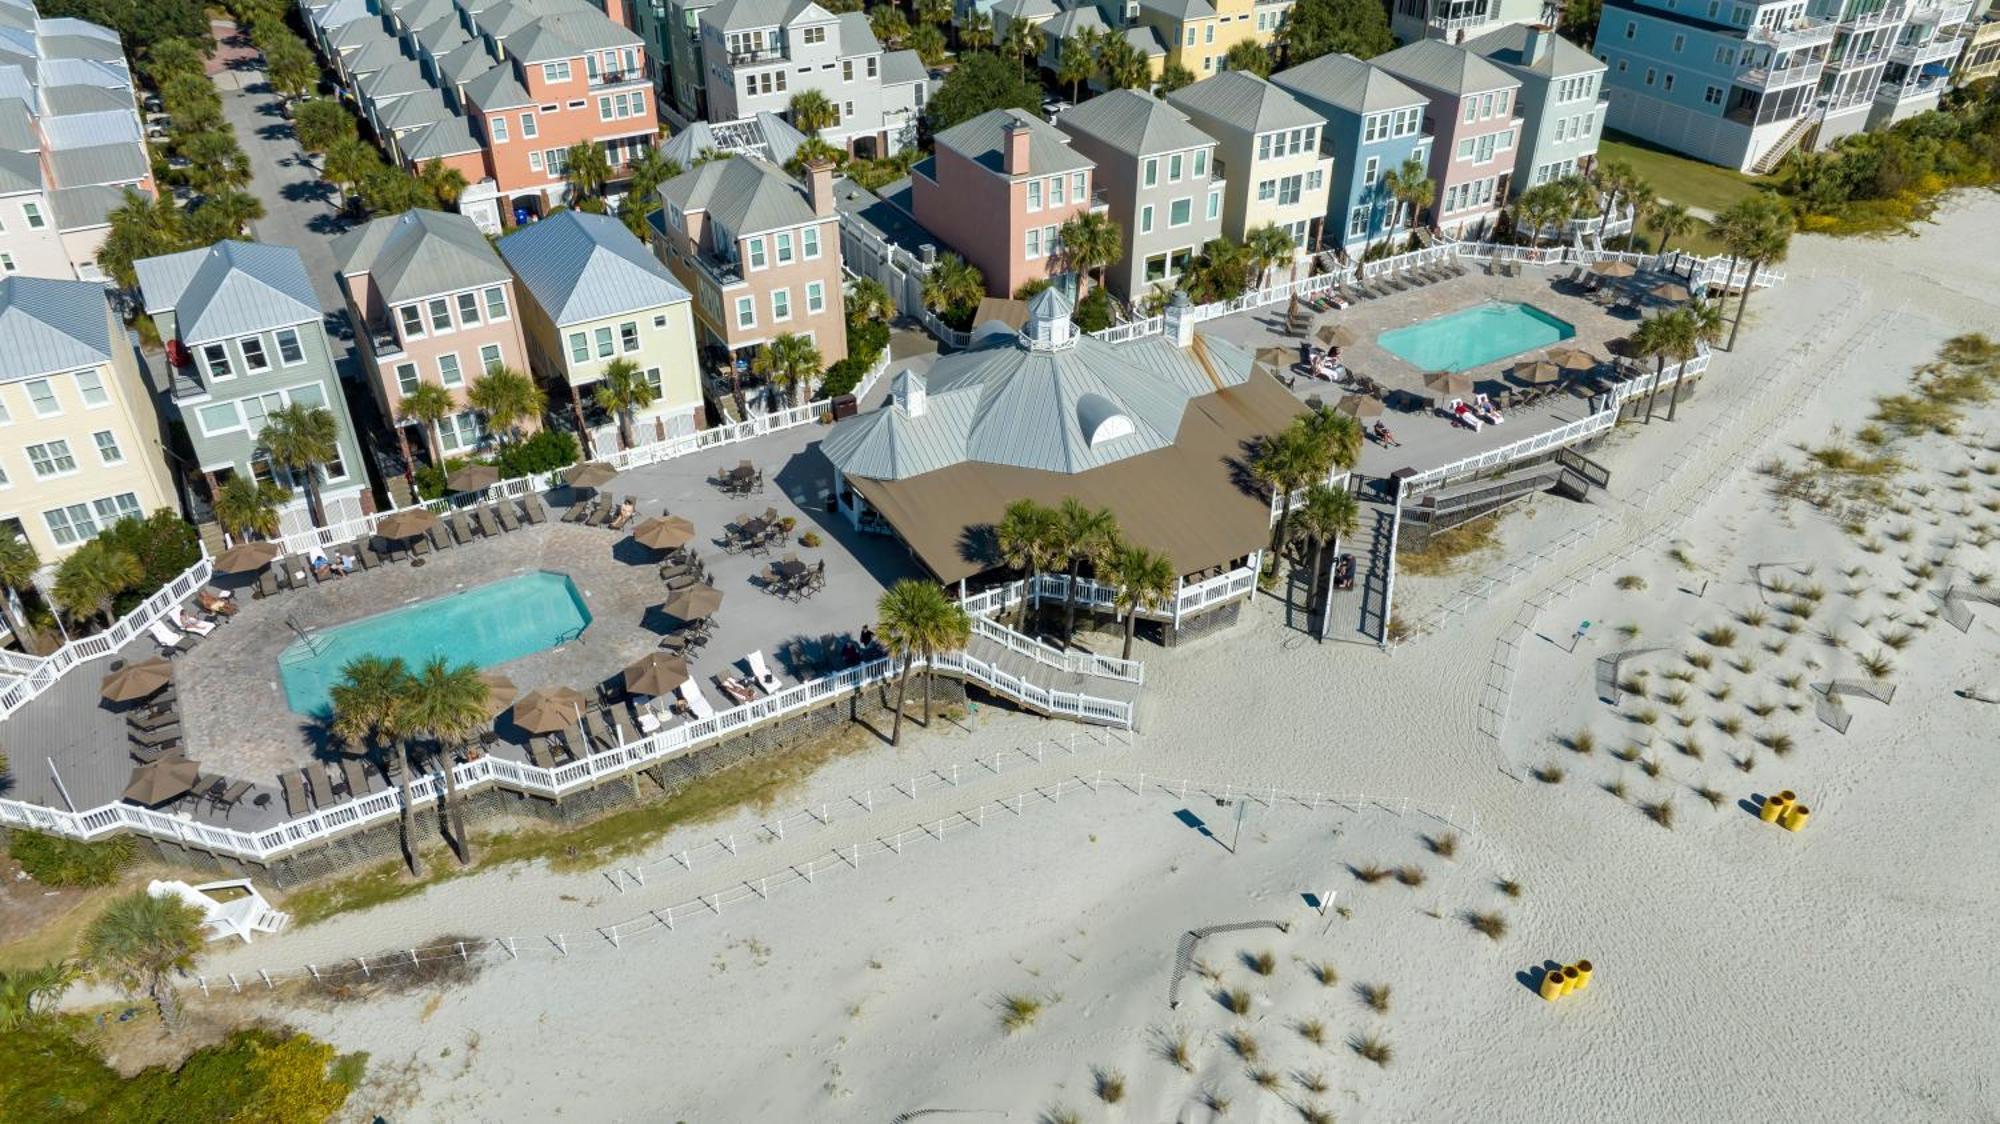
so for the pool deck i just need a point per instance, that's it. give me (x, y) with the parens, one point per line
(1428, 441)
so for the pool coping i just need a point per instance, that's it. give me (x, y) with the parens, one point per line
(1568, 329)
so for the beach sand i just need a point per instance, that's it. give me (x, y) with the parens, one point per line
(1742, 971)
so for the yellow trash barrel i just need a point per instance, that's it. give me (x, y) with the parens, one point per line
(1774, 806)
(1788, 797)
(1570, 976)
(1583, 970)
(1795, 817)
(1552, 985)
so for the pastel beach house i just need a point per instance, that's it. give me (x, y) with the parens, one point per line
(1562, 100)
(245, 337)
(1475, 126)
(1158, 175)
(998, 190)
(760, 253)
(82, 447)
(1268, 145)
(1374, 125)
(434, 304)
(592, 294)
(1199, 33)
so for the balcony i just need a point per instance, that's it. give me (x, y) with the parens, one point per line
(1910, 90)
(756, 55)
(1856, 60)
(1942, 49)
(1443, 26)
(725, 274)
(1768, 78)
(1868, 21)
(1795, 35)
(616, 78)
(383, 340)
(1943, 15)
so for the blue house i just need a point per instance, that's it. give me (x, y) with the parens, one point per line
(1374, 124)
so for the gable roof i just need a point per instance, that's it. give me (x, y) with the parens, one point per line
(1244, 101)
(418, 254)
(48, 325)
(746, 194)
(1135, 123)
(228, 289)
(736, 15)
(497, 89)
(451, 135)
(899, 67)
(1180, 9)
(1441, 66)
(1508, 46)
(982, 140)
(1345, 82)
(579, 266)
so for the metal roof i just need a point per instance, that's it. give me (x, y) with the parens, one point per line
(1180, 9)
(497, 89)
(737, 15)
(86, 130)
(419, 254)
(1345, 82)
(17, 126)
(1083, 20)
(1147, 39)
(49, 325)
(229, 289)
(567, 35)
(19, 171)
(1133, 122)
(579, 266)
(465, 62)
(1027, 9)
(1244, 101)
(1508, 46)
(91, 205)
(399, 79)
(1437, 65)
(65, 100)
(983, 139)
(105, 163)
(746, 194)
(450, 136)
(372, 56)
(352, 34)
(857, 37)
(420, 109)
(338, 13)
(899, 67)
(441, 35)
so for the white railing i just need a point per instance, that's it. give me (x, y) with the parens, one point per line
(379, 807)
(34, 676)
(1189, 599)
(1075, 661)
(1240, 582)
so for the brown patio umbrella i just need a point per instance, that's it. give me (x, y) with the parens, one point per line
(1671, 291)
(135, 681)
(1359, 406)
(1333, 335)
(407, 524)
(1537, 372)
(1451, 384)
(1614, 268)
(473, 478)
(656, 674)
(1573, 359)
(500, 692)
(161, 781)
(664, 532)
(1274, 359)
(696, 602)
(592, 474)
(546, 711)
(245, 557)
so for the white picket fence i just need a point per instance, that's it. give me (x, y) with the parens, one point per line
(31, 676)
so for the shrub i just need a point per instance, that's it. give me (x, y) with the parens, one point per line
(165, 545)
(1369, 874)
(1719, 637)
(1237, 1000)
(1550, 774)
(1583, 742)
(1373, 1048)
(1411, 876)
(1488, 924)
(1019, 1012)
(1632, 582)
(1093, 312)
(1375, 996)
(1325, 973)
(1262, 963)
(1175, 1051)
(1661, 812)
(810, 540)
(1443, 846)
(546, 451)
(55, 861)
(1709, 794)
(1266, 1079)
(1242, 1045)
(842, 377)
(1110, 1086)
(1509, 887)
(1312, 1030)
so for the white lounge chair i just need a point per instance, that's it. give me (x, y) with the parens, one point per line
(697, 703)
(169, 640)
(761, 674)
(194, 624)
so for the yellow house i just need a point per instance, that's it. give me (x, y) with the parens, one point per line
(1199, 33)
(79, 439)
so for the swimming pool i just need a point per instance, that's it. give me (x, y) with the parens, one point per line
(485, 625)
(1475, 336)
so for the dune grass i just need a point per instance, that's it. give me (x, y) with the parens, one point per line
(1373, 1048)
(1447, 551)
(1488, 924)
(1374, 996)
(1019, 1011)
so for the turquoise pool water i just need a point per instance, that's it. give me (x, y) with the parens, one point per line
(1475, 336)
(485, 625)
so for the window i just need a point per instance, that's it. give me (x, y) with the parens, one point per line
(1200, 163)
(499, 130)
(1650, 74)
(1034, 195)
(847, 70)
(1465, 149)
(781, 305)
(440, 314)
(1679, 42)
(406, 379)
(1180, 212)
(1056, 191)
(652, 377)
(42, 393)
(1264, 147)
(815, 297)
(448, 372)
(628, 336)
(7, 262)
(556, 71)
(758, 257)
(1174, 168)
(784, 241)
(746, 312)
(468, 308)
(579, 348)
(1471, 110)
(528, 130)
(1210, 36)
(1079, 186)
(71, 525)
(1034, 242)
(215, 361)
(290, 353)
(220, 418)
(1374, 127)
(1357, 222)
(254, 359)
(872, 72)
(1146, 219)
(809, 239)
(496, 303)
(1631, 29)
(90, 386)
(490, 358)
(1712, 95)
(1667, 82)
(1315, 179)
(1288, 191)
(51, 458)
(1156, 268)
(464, 430)
(1214, 204)
(660, 321)
(603, 339)
(34, 216)
(413, 321)
(1152, 172)
(1370, 171)
(1267, 190)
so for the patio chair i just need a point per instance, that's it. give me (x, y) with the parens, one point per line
(364, 558)
(441, 537)
(683, 580)
(757, 482)
(355, 771)
(600, 512)
(736, 690)
(577, 511)
(576, 743)
(532, 509)
(159, 719)
(760, 673)
(147, 754)
(599, 730)
(419, 547)
(539, 753)
(170, 642)
(316, 788)
(295, 793)
(698, 707)
(816, 577)
(372, 546)
(504, 510)
(231, 796)
(623, 728)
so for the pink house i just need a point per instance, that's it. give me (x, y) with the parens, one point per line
(431, 302)
(1474, 117)
(998, 190)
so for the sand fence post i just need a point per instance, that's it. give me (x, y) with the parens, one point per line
(365, 973)
(203, 981)
(615, 877)
(781, 829)
(667, 920)
(610, 934)
(315, 972)
(637, 874)
(954, 774)
(233, 985)
(268, 985)
(463, 958)
(561, 944)
(413, 956)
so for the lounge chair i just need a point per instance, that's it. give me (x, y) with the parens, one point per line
(597, 729)
(169, 641)
(489, 523)
(364, 556)
(147, 754)
(147, 723)
(621, 722)
(576, 742)
(761, 673)
(154, 738)
(539, 754)
(736, 690)
(297, 571)
(698, 706)
(532, 509)
(229, 797)
(295, 794)
(355, 771)
(504, 511)
(440, 536)
(316, 787)
(577, 511)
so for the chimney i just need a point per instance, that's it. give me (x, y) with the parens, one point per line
(614, 10)
(1540, 41)
(819, 187)
(1015, 148)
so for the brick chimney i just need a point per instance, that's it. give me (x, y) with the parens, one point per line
(1015, 147)
(819, 187)
(614, 10)
(1540, 41)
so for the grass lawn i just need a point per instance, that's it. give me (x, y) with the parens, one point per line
(1678, 178)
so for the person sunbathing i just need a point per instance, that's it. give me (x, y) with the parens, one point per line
(625, 512)
(322, 569)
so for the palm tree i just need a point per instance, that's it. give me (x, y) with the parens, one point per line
(1656, 336)
(1174, 76)
(953, 284)
(889, 24)
(139, 942)
(1220, 272)
(1670, 220)
(1335, 438)
(811, 151)
(140, 228)
(929, 44)
(1614, 177)
(1327, 515)
(1410, 186)
(1640, 196)
(445, 182)
(650, 169)
(911, 615)
(370, 706)
(290, 66)
(1285, 461)
(947, 626)
(1537, 208)
(247, 507)
(1082, 535)
(621, 392)
(18, 566)
(1021, 42)
(1248, 55)
(1145, 580)
(1269, 245)
(28, 995)
(446, 703)
(976, 30)
(93, 576)
(299, 438)
(319, 123)
(1124, 67)
(869, 299)
(348, 161)
(1075, 64)
(1026, 537)
(424, 408)
(1759, 230)
(1703, 327)
(587, 168)
(812, 111)
(1091, 241)
(507, 397)
(933, 12)
(790, 361)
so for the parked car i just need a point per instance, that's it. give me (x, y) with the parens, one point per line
(153, 103)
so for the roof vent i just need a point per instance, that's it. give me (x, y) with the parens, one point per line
(909, 393)
(1101, 420)
(1049, 327)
